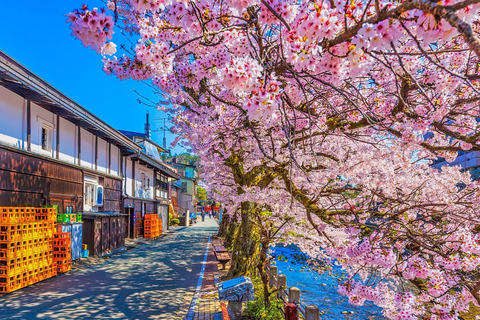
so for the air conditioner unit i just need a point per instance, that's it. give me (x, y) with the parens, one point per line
(99, 196)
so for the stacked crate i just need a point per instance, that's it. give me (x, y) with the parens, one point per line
(152, 226)
(62, 252)
(26, 251)
(69, 217)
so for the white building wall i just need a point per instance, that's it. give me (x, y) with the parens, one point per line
(115, 161)
(68, 141)
(102, 158)
(13, 123)
(87, 149)
(42, 118)
(13, 132)
(128, 177)
(185, 202)
(141, 187)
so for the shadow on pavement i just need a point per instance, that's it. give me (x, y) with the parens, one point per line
(153, 281)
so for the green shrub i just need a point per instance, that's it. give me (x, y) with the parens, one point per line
(174, 221)
(255, 310)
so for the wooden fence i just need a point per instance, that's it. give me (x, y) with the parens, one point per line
(294, 309)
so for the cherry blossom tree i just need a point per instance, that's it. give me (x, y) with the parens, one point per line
(329, 113)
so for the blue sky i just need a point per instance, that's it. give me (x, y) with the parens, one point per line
(36, 35)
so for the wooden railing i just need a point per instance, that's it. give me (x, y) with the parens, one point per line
(291, 298)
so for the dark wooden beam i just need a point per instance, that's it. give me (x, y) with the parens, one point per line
(120, 169)
(96, 152)
(79, 145)
(29, 126)
(57, 148)
(133, 178)
(109, 158)
(155, 172)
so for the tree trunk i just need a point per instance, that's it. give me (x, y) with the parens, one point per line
(262, 261)
(224, 225)
(231, 228)
(245, 248)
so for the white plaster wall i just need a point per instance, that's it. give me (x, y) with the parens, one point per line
(87, 149)
(13, 132)
(40, 117)
(115, 161)
(12, 119)
(68, 141)
(141, 192)
(184, 202)
(128, 175)
(102, 158)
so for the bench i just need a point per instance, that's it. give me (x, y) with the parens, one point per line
(220, 249)
(222, 256)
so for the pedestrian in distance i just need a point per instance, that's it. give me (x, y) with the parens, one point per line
(203, 215)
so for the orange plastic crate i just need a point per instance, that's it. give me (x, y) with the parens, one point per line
(21, 267)
(8, 236)
(7, 287)
(62, 235)
(32, 265)
(62, 266)
(61, 242)
(61, 256)
(29, 214)
(8, 250)
(51, 270)
(18, 214)
(8, 270)
(33, 278)
(6, 215)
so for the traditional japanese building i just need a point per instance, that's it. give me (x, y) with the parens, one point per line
(54, 151)
(467, 160)
(187, 196)
(146, 182)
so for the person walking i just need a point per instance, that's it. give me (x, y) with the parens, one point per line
(203, 215)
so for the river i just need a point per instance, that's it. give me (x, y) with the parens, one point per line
(320, 289)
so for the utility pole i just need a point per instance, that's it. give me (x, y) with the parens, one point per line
(147, 128)
(164, 139)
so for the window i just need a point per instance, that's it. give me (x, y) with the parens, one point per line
(145, 181)
(90, 194)
(46, 138)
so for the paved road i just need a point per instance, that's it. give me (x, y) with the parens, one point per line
(154, 281)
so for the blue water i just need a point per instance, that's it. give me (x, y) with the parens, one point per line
(320, 289)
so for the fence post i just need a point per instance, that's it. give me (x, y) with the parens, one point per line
(312, 313)
(282, 285)
(293, 295)
(273, 276)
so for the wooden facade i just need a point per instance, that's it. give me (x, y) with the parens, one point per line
(135, 211)
(142, 207)
(27, 180)
(112, 195)
(104, 233)
(55, 152)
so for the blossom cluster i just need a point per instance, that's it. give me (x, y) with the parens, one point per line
(93, 28)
